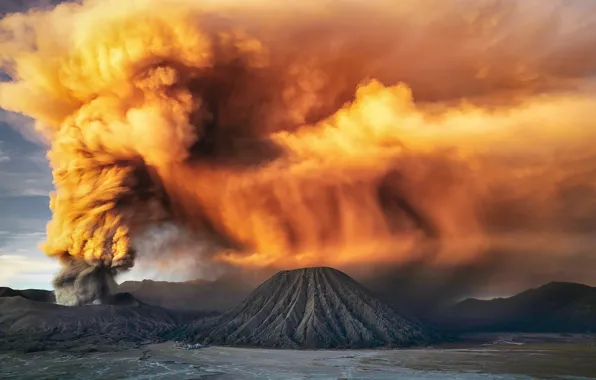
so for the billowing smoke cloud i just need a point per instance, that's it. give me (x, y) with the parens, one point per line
(429, 134)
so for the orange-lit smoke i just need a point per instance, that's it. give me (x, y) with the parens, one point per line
(326, 133)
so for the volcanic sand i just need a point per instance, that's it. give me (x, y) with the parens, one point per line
(505, 357)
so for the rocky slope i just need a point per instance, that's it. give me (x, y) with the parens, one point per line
(28, 325)
(556, 307)
(309, 308)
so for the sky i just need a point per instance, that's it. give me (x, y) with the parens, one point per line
(25, 182)
(516, 212)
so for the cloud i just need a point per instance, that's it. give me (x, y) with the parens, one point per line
(23, 124)
(23, 166)
(490, 178)
(24, 214)
(22, 265)
(26, 235)
(3, 156)
(18, 270)
(25, 181)
(24, 184)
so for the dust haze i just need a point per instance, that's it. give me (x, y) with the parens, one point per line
(438, 145)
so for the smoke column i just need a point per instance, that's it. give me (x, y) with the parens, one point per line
(338, 133)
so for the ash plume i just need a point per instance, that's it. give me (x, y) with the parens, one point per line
(445, 133)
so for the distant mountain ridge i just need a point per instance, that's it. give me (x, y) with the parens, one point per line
(194, 295)
(309, 308)
(554, 307)
(218, 295)
(37, 295)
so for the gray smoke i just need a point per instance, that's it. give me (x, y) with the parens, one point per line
(79, 283)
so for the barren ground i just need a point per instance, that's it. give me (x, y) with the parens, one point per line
(492, 357)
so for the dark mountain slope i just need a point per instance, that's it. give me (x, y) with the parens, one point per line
(309, 308)
(30, 325)
(37, 295)
(555, 307)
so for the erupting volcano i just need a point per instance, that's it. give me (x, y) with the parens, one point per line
(266, 135)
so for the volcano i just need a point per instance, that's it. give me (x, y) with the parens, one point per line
(310, 308)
